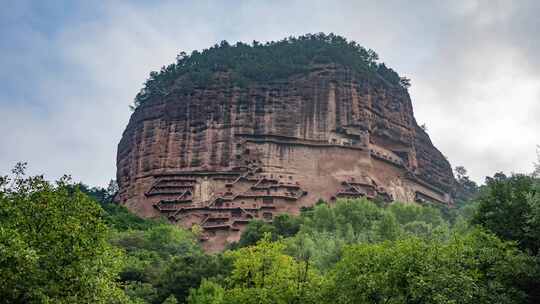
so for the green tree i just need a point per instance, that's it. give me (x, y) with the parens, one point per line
(208, 293)
(387, 229)
(286, 225)
(283, 225)
(245, 64)
(140, 292)
(407, 213)
(533, 217)
(116, 216)
(187, 271)
(165, 261)
(170, 300)
(352, 220)
(466, 189)
(54, 244)
(323, 248)
(263, 274)
(504, 207)
(475, 268)
(254, 232)
(536, 172)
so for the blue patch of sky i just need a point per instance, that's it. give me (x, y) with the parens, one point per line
(29, 50)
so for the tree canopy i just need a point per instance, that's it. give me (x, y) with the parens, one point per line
(54, 244)
(69, 243)
(509, 206)
(263, 62)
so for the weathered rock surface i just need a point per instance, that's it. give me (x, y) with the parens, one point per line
(222, 155)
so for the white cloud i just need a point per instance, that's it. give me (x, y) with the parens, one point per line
(473, 66)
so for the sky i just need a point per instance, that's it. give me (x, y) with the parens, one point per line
(70, 69)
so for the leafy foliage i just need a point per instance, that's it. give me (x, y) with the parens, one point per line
(116, 216)
(507, 206)
(466, 189)
(473, 268)
(53, 244)
(326, 230)
(283, 225)
(257, 62)
(263, 274)
(255, 230)
(164, 262)
(69, 243)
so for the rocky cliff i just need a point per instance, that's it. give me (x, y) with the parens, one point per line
(222, 154)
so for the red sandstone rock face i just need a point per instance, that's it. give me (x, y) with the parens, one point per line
(221, 156)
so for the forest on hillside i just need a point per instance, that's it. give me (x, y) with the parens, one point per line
(65, 242)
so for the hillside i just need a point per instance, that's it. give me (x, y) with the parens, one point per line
(271, 129)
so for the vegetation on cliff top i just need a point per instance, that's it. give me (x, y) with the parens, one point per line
(263, 62)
